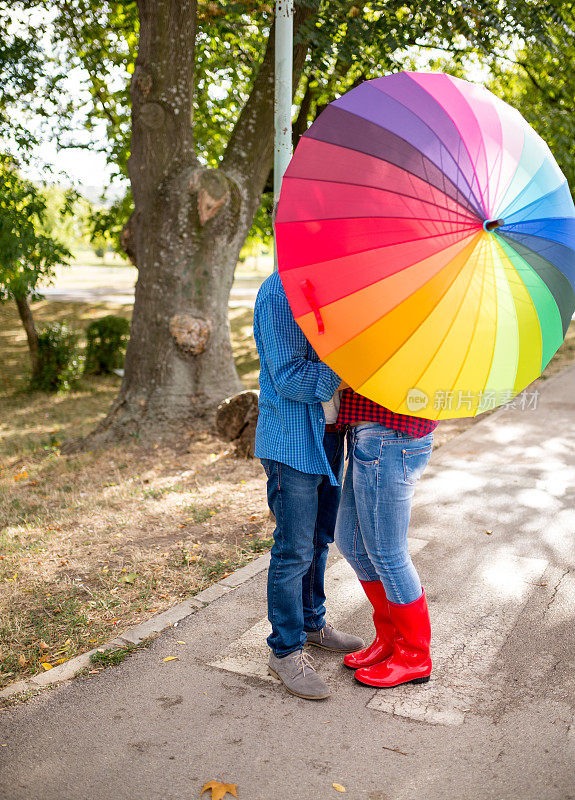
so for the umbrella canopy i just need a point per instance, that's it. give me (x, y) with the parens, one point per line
(426, 243)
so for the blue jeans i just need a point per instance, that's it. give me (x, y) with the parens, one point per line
(305, 509)
(371, 532)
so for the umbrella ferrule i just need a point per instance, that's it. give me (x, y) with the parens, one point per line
(490, 225)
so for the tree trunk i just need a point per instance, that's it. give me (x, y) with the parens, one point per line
(31, 333)
(187, 228)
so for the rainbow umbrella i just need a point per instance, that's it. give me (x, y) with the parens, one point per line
(426, 239)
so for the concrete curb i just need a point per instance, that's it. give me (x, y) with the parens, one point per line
(136, 635)
(187, 608)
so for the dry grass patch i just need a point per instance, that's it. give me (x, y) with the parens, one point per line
(97, 542)
(94, 543)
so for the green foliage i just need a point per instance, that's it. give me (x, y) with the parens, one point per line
(60, 360)
(540, 82)
(29, 254)
(107, 342)
(66, 216)
(106, 224)
(112, 656)
(22, 71)
(347, 42)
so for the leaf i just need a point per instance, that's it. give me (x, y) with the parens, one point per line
(45, 666)
(42, 645)
(489, 533)
(219, 790)
(129, 578)
(338, 787)
(171, 658)
(22, 660)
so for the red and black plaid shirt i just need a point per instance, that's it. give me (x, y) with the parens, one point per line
(354, 408)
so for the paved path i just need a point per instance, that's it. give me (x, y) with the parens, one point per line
(496, 722)
(117, 284)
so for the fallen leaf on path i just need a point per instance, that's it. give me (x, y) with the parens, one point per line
(489, 533)
(338, 787)
(180, 642)
(219, 790)
(46, 666)
(171, 658)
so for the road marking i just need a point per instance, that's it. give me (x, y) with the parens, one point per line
(470, 626)
(248, 655)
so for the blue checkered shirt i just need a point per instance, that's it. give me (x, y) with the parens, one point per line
(293, 384)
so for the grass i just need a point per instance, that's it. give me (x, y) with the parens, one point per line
(96, 542)
(112, 656)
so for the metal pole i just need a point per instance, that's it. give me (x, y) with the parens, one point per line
(283, 96)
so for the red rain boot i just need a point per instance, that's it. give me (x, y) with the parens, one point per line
(382, 645)
(410, 661)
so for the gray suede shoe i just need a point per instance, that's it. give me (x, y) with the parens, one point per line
(336, 641)
(297, 674)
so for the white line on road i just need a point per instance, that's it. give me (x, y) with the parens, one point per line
(469, 629)
(248, 655)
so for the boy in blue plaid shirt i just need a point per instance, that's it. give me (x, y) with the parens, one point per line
(302, 455)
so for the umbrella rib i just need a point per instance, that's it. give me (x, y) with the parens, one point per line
(439, 139)
(538, 200)
(564, 294)
(539, 286)
(453, 321)
(461, 139)
(409, 217)
(496, 323)
(467, 216)
(472, 337)
(472, 231)
(510, 184)
(364, 380)
(510, 264)
(491, 168)
(562, 267)
(525, 188)
(457, 190)
(512, 225)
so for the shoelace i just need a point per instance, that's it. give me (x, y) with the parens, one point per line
(323, 630)
(301, 661)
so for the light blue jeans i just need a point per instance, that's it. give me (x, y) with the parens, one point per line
(384, 466)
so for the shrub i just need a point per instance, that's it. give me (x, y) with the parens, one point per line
(60, 359)
(107, 341)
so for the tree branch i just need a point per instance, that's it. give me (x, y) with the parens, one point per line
(247, 155)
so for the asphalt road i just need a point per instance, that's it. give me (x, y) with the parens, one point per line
(493, 538)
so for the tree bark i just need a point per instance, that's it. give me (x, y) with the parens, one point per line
(187, 229)
(27, 318)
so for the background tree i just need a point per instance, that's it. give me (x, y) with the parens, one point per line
(200, 154)
(29, 254)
